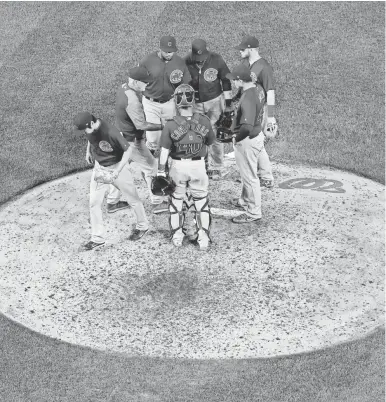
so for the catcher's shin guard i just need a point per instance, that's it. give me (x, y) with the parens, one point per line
(177, 215)
(203, 215)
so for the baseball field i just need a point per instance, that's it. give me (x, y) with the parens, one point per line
(60, 58)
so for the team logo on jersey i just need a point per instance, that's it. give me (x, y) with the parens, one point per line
(210, 74)
(254, 77)
(105, 146)
(176, 76)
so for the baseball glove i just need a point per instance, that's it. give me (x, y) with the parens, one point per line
(106, 176)
(224, 124)
(161, 185)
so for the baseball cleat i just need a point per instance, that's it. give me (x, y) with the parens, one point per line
(111, 208)
(203, 244)
(161, 208)
(217, 174)
(177, 242)
(91, 245)
(244, 218)
(266, 183)
(137, 234)
(236, 203)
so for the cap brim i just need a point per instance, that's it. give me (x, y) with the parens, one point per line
(168, 49)
(200, 57)
(240, 47)
(230, 76)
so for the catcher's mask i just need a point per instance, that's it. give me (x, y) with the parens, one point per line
(162, 185)
(184, 96)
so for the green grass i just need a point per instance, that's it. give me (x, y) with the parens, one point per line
(60, 58)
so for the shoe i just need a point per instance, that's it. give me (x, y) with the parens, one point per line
(177, 242)
(217, 174)
(203, 243)
(111, 208)
(160, 208)
(236, 203)
(137, 234)
(266, 183)
(91, 245)
(244, 218)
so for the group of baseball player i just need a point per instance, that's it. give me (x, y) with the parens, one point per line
(167, 122)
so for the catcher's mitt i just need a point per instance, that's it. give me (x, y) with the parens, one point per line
(224, 124)
(161, 185)
(106, 176)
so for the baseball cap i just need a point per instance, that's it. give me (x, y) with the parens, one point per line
(240, 72)
(81, 120)
(199, 50)
(248, 42)
(168, 44)
(140, 74)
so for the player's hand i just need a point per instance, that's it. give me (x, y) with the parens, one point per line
(161, 173)
(271, 120)
(89, 158)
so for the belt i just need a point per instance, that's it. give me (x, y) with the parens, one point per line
(157, 100)
(195, 158)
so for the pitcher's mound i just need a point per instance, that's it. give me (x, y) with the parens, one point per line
(308, 275)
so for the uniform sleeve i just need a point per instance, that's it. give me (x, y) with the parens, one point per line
(223, 70)
(135, 109)
(266, 77)
(166, 141)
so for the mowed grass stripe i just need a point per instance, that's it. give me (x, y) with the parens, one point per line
(82, 75)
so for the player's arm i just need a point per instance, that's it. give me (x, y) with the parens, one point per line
(120, 142)
(89, 158)
(165, 144)
(268, 85)
(135, 111)
(247, 120)
(226, 84)
(186, 78)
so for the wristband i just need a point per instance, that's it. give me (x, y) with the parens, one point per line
(271, 110)
(228, 102)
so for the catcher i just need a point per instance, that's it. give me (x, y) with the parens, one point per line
(110, 152)
(186, 137)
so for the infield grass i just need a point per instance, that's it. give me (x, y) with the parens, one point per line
(59, 58)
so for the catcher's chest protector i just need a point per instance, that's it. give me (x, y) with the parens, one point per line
(189, 136)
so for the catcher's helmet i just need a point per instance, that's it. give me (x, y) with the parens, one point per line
(162, 185)
(184, 96)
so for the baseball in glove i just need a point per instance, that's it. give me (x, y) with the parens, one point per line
(224, 124)
(106, 176)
